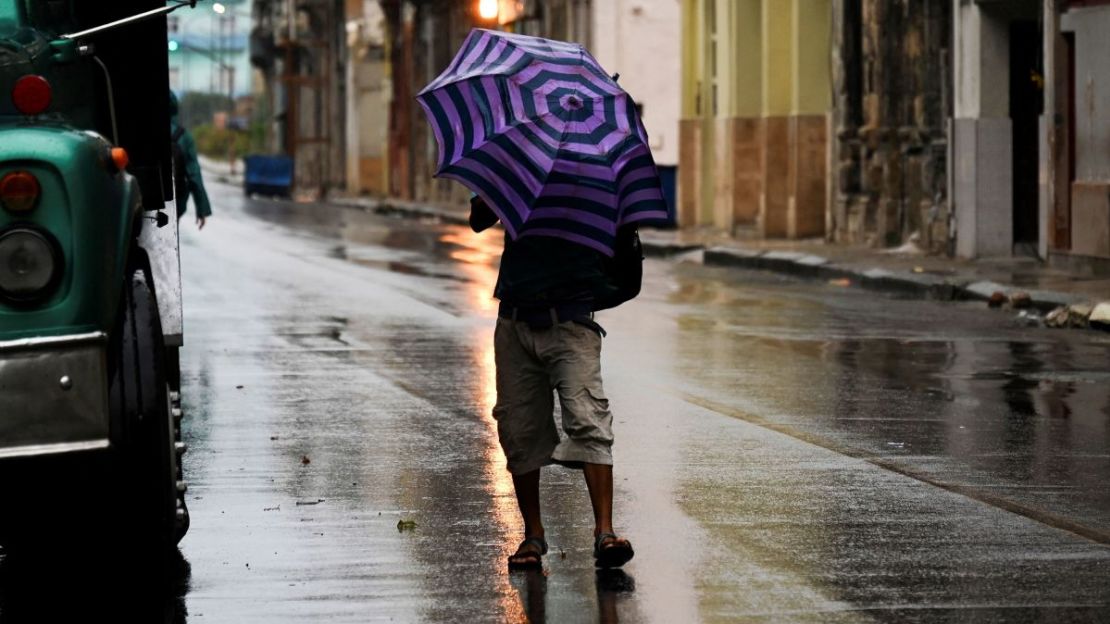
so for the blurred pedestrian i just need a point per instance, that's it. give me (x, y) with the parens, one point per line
(186, 169)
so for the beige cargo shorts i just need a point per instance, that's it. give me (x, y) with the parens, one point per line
(533, 365)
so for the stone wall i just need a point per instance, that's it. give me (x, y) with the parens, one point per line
(891, 77)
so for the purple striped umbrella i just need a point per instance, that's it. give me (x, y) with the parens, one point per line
(542, 133)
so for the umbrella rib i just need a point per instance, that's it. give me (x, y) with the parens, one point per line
(486, 140)
(558, 149)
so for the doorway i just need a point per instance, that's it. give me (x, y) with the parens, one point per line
(1026, 106)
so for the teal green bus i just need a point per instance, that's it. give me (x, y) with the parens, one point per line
(90, 315)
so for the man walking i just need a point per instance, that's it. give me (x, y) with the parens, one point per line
(186, 169)
(546, 339)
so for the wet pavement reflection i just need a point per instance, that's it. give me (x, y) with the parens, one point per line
(786, 450)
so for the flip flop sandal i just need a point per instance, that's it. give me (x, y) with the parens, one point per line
(615, 554)
(529, 560)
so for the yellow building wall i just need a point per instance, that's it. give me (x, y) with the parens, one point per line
(746, 58)
(757, 157)
(778, 24)
(811, 88)
(691, 58)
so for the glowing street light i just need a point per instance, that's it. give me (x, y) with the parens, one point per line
(487, 9)
(219, 8)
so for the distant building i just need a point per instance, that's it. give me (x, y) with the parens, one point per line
(892, 100)
(368, 98)
(422, 38)
(642, 41)
(1031, 126)
(208, 51)
(976, 128)
(300, 51)
(1074, 217)
(755, 113)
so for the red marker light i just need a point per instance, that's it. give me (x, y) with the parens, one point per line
(19, 191)
(31, 95)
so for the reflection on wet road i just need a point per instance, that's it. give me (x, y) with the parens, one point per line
(786, 451)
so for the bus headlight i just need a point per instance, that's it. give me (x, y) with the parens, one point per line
(28, 264)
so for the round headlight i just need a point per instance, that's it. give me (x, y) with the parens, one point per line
(27, 264)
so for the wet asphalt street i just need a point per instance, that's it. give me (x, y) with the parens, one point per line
(787, 451)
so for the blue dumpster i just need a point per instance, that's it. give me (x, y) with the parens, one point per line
(268, 175)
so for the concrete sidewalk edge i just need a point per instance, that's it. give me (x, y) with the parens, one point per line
(394, 207)
(921, 285)
(811, 266)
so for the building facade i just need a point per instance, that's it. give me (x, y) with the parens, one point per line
(368, 97)
(422, 36)
(642, 41)
(998, 102)
(891, 105)
(299, 49)
(1031, 171)
(975, 128)
(208, 50)
(756, 101)
(1074, 215)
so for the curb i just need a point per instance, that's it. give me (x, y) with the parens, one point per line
(809, 266)
(223, 176)
(905, 283)
(400, 209)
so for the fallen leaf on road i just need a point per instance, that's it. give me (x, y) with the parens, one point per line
(406, 525)
(238, 387)
(278, 508)
(843, 281)
(305, 460)
(315, 502)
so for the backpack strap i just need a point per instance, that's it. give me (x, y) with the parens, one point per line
(178, 133)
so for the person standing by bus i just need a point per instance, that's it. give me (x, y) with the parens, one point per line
(187, 177)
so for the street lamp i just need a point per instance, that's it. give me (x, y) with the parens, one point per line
(487, 9)
(220, 9)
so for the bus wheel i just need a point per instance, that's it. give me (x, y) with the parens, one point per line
(148, 460)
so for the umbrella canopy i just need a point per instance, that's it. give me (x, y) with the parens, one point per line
(542, 133)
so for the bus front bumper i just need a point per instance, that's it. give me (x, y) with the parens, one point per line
(53, 395)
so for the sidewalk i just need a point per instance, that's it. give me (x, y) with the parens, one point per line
(222, 170)
(455, 215)
(1066, 299)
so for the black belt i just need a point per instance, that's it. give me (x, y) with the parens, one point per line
(544, 317)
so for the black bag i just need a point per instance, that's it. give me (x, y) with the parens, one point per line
(625, 269)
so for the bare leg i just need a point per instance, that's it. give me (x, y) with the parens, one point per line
(527, 488)
(612, 551)
(599, 481)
